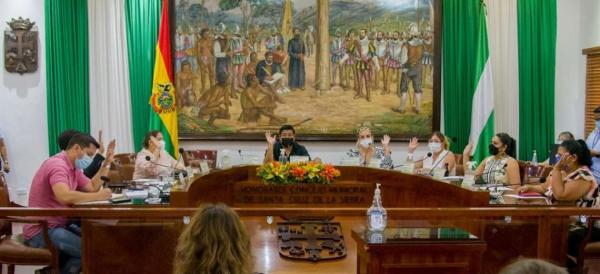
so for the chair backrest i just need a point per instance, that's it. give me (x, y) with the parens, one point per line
(5, 225)
(123, 167)
(532, 173)
(193, 157)
(125, 158)
(4, 195)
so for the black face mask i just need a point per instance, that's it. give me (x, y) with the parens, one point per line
(493, 150)
(286, 142)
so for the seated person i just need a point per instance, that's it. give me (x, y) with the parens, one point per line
(553, 156)
(501, 167)
(59, 184)
(281, 57)
(215, 241)
(532, 266)
(269, 73)
(161, 163)
(571, 181)
(258, 101)
(286, 141)
(366, 149)
(93, 158)
(440, 157)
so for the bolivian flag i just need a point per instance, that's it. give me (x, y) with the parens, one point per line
(162, 99)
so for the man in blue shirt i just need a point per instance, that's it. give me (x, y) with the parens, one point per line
(593, 143)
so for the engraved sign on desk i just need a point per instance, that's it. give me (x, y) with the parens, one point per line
(311, 240)
(340, 193)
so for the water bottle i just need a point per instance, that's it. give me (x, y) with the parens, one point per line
(225, 160)
(376, 214)
(282, 157)
(534, 160)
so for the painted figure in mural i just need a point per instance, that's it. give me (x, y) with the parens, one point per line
(281, 57)
(337, 53)
(272, 41)
(296, 51)
(380, 49)
(259, 101)
(309, 41)
(238, 60)
(365, 56)
(395, 58)
(184, 85)
(347, 62)
(220, 47)
(269, 74)
(413, 70)
(204, 57)
(214, 104)
(427, 54)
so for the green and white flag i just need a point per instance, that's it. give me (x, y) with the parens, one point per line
(482, 115)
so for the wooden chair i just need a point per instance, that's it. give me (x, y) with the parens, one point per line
(587, 249)
(13, 252)
(123, 167)
(193, 157)
(531, 174)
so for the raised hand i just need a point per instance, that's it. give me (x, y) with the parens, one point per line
(110, 153)
(270, 138)
(385, 142)
(413, 144)
(468, 149)
(100, 142)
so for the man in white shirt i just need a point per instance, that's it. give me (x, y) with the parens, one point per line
(593, 143)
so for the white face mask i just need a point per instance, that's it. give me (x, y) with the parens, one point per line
(365, 143)
(161, 144)
(435, 147)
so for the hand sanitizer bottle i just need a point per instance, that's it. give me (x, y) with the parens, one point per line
(376, 214)
(282, 157)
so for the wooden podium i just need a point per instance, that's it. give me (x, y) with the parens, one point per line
(240, 187)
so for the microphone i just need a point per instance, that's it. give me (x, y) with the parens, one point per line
(178, 170)
(430, 173)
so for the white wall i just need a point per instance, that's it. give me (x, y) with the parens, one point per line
(23, 104)
(578, 27)
(329, 152)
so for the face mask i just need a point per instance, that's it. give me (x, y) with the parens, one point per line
(83, 162)
(435, 147)
(286, 142)
(365, 143)
(161, 144)
(493, 150)
(598, 124)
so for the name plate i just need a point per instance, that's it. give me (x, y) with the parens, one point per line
(340, 194)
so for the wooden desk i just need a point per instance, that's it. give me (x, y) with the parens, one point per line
(418, 251)
(240, 187)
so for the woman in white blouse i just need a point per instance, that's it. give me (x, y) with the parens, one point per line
(438, 157)
(153, 161)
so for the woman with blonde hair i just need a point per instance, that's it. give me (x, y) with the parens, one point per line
(367, 151)
(439, 155)
(215, 242)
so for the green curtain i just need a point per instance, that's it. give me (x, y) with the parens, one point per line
(67, 82)
(460, 19)
(537, 58)
(143, 18)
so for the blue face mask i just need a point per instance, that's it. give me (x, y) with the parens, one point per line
(598, 124)
(84, 162)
